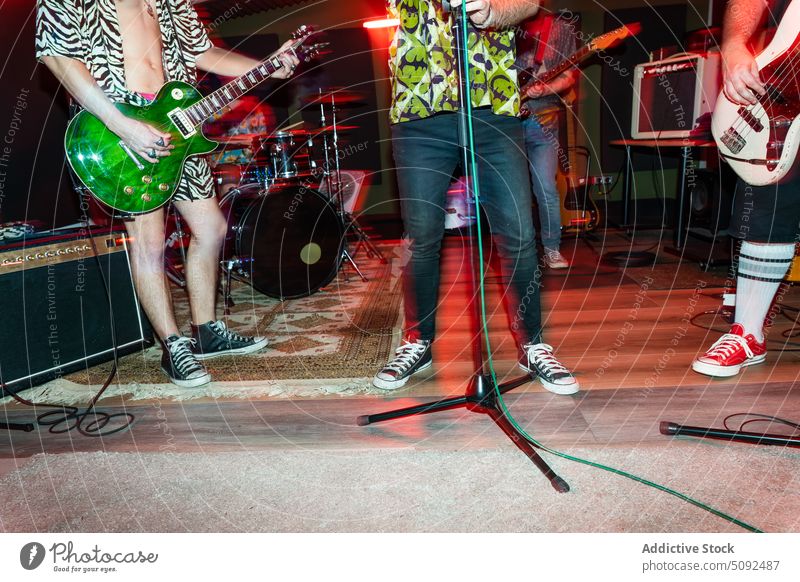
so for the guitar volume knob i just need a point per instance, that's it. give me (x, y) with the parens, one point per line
(147, 179)
(128, 190)
(163, 187)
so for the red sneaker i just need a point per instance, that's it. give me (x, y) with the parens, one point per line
(730, 354)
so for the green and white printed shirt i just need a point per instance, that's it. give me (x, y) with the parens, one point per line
(424, 70)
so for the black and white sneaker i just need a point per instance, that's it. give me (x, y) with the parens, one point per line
(214, 339)
(180, 364)
(539, 359)
(411, 357)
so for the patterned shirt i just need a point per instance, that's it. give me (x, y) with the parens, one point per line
(424, 70)
(88, 31)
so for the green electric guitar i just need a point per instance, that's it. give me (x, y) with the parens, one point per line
(117, 176)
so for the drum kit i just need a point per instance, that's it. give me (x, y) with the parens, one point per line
(285, 237)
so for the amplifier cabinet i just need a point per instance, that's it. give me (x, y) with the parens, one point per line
(674, 97)
(59, 295)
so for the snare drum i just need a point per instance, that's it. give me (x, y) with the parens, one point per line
(288, 240)
(229, 176)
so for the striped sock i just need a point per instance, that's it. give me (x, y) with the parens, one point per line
(762, 267)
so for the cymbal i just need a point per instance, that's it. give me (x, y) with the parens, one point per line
(329, 128)
(236, 142)
(282, 133)
(334, 97)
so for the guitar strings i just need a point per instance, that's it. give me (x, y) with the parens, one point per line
(778, 82)
(775, 80)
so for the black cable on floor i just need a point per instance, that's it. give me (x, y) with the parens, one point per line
(65, 414)
(758, 417)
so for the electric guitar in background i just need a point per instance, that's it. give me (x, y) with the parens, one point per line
(760, 141)
(579, 213)
(118, 177)
(602, 42)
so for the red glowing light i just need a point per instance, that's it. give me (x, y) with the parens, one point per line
(382, 23)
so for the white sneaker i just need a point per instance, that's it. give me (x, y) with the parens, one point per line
(539, 360)
(554, 259)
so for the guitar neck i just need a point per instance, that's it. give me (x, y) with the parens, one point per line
(215, 102)
(604, 41)
(564, 65)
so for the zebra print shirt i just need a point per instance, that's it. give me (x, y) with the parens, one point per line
(88, 30)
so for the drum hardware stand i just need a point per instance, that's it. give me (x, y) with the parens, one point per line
(481, 393)
(336, 191)
(227, 266)
(171, 268)
(347, 257)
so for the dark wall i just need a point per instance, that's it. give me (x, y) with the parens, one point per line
(33, 117)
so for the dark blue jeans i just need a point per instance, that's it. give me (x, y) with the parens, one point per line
(541, 142)
(426, 154)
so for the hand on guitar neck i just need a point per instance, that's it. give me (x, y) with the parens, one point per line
(557, 86)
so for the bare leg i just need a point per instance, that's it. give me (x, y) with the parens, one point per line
(147, 263)
(202, 260)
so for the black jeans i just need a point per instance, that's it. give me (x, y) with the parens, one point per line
(426, 154)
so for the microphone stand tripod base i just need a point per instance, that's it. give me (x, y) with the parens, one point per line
(481, 397)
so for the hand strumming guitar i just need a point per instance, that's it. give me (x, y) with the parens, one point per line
(742, 83)
(144, 139)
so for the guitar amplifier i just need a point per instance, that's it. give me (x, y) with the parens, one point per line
(674, 97)
(68, 302)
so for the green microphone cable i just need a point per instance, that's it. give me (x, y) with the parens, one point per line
(475, 187)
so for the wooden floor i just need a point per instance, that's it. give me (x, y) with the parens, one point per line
(630, 345)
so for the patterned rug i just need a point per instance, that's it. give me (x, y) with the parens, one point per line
(330, 342)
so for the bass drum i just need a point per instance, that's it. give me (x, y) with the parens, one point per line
(288, 240)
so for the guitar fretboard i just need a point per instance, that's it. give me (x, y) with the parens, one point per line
(215, 102)
(568, 63)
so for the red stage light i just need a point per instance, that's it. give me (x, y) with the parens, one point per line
(382, 23)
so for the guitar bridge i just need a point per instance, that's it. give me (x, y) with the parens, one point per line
(733, 140)
(181, 121)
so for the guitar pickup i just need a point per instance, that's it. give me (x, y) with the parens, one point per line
(750, 119)
(181, 121)
(773, 95)
(733, 140)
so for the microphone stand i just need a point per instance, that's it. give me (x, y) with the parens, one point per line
(481, 394)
